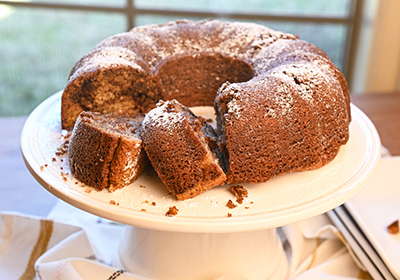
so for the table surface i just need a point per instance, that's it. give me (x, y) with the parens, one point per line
(20, 192)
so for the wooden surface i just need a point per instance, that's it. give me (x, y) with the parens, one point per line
(20, 192)
(384, 112)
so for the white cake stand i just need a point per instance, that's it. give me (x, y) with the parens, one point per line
(206, 239)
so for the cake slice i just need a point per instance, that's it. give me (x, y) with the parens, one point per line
(105, 150)
(182, 149)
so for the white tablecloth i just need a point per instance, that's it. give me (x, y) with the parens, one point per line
(72, 244)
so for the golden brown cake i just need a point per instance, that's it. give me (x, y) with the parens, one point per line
(105, 150)
(182, 149)
(281, 104)
(184, 60)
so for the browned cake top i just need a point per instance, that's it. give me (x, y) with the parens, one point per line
(134, 70)
(154, 43)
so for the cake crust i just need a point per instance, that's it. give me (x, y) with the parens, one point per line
(177, 146)
(105, 150)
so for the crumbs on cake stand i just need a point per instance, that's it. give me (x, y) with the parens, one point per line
(240, 192)
(59, 161)
(230, 204)
(59, 158)
(112, 202)
(172, 211)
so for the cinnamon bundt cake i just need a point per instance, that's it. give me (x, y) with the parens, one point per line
(105, 150)
(182, 149)
(184, 60)
(281, 104)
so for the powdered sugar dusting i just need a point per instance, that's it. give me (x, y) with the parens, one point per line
(234, 106)
(157, 117)
(107, 58)
(158, 42)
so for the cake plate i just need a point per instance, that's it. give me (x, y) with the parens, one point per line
(206, 238)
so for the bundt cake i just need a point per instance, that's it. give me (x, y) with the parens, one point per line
(281, 104)
(182, 149)
(105, 150)
(184, 60)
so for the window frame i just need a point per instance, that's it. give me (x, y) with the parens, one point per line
(352, 21)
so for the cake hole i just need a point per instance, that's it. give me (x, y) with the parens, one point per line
(197, 78)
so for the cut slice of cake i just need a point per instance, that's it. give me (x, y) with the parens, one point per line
(105, 150)
(182, 149)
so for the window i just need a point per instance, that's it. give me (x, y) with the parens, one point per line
(41, 41)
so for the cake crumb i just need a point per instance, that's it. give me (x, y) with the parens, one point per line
(54, 159)
(143, 187)
(63, 149)
(41, 168)
(146, 201)
(89, 189)
(240, 193)
(143, 210)
(153, 204)
(173, 211)
(247, 207)
(229, 215)
(230, 204)
(113, 202)
(393, 228)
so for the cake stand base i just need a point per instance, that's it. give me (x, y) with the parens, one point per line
(165, 255)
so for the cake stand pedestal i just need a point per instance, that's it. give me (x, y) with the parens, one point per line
(206, 239)
(198, 256)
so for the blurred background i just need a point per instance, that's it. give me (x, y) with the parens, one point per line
(40, 41)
